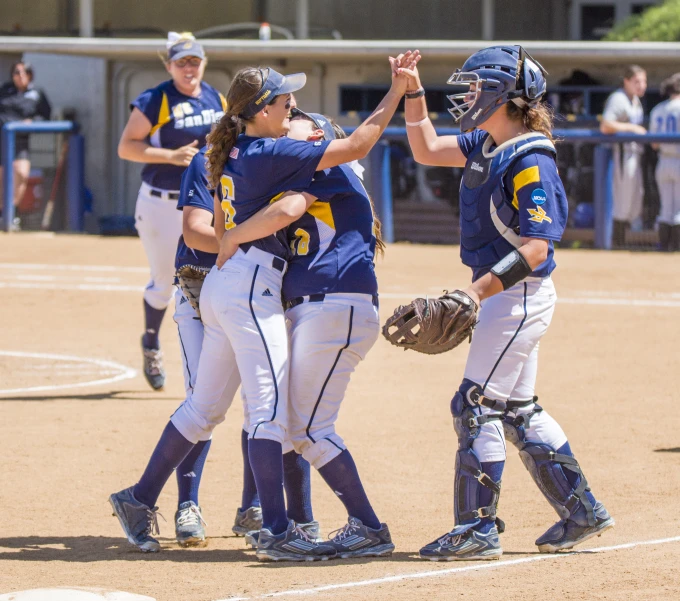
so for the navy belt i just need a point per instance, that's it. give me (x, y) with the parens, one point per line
(316, 298)
(159, 194)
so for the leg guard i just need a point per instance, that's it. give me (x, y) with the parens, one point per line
(547, 467)
(470, 479)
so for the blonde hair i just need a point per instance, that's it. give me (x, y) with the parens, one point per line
(244, 87)
(184, 36)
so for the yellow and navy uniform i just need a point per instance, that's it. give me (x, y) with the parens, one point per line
(176, 120)
(333, 243)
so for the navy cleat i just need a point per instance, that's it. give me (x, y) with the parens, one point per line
(139, 521)
(292, 545)
(311, 528)
(247, 521)
(568, 533)
(356, 540)
(463, 544)
(189, 525)
(153, 367)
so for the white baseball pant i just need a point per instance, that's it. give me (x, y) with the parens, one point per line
(627, 182)
(503, 359)
(244, 339)
(159, 225)
(328, 340)
(668, 182)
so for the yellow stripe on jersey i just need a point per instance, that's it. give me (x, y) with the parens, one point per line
(163, 115)
(322, 212)
(223, 100)
(275, 198)
(530, 175)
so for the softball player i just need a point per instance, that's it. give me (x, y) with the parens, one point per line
(167, 126)
(623, 113)
(245, 334)
(330, 294)
(664, 119)
(512, 207)
(198, 248)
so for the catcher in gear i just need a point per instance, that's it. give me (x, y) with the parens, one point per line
(433, 326)
(512, 208)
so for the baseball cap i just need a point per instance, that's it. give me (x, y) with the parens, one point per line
(274, 85)
(185, 48)
(318, 120)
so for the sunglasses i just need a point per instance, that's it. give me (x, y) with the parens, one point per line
(194, 61)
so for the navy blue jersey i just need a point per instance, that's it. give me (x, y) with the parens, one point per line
(195, 192)
(258, 171)
(333, 243)
(506, 194)
(176, 120)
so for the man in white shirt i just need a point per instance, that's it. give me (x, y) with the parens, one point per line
(623, 114)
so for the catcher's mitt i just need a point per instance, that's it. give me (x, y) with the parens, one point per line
(432, 325)
(190, 280)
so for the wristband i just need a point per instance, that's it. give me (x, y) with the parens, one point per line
(418, 123)
(417, 94)
(511, 269)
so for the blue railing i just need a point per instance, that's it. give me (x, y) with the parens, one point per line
(602, 167)
(75, 178)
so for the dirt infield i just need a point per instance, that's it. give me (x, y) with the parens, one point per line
(609, 372)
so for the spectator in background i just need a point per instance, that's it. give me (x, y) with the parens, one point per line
(664, 120)
(623, 114)
(21, 101)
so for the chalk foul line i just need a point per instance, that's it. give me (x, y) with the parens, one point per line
(492, 565)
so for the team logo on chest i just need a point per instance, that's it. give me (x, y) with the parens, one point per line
(185, 117)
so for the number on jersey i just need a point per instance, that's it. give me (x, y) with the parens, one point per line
(227, 199)
(300, 244)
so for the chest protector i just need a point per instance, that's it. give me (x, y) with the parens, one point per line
(489, 224)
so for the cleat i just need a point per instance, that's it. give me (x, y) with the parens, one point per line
(463, 544)
(153, 367)
(566, 534)
(311, 528)
(247, 521)
(189, 525)
(139, 521)
(292, 545)
(356, 540)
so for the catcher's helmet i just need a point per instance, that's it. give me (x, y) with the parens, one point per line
(492, 77)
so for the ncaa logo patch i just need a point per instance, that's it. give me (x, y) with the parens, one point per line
(538, 196)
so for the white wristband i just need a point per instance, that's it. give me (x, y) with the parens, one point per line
(418, 123)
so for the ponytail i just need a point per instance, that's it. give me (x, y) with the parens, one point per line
(538, 118)
(244, 87)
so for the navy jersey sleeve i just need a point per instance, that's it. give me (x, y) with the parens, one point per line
(294, 162)
(539, 196)
(195, 191)
(149, 102)
(466, 142)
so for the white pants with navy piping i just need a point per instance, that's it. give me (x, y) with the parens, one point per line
(244, 342)
(159, 225)
(503, 359)
(328, 340)
(668, 182)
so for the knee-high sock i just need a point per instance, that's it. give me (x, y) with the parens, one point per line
(298, 485)
(266, 460)
(249, 497)
(342, 476)
(171, 449)
(189, 472)
(493, 469)
(152, 325)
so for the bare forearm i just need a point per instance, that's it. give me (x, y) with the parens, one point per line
(269, 220)
(616, 127)
(201, 237)
(368, 133)
(141, 152)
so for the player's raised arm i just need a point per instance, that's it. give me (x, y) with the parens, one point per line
(362, 140)
(428, 148)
